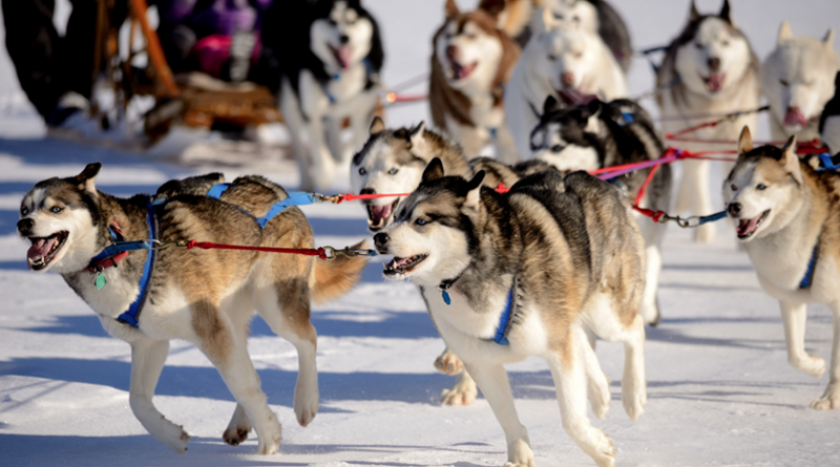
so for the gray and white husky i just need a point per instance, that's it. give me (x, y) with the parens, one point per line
(333, 79)
(563, 56)
(598, 135)
(797, 79)
(508, 276)
(787, 216)
(709, 71)
(204, 297)
(830, 120)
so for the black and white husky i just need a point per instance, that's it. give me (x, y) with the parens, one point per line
(597, 135)
(334, 79)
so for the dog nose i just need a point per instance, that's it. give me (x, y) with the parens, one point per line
(344, 38)
(734, 209)
(714, 63)
(380, 240)
(25, 225)
(451, 52)
(567, 78)
(368, 191)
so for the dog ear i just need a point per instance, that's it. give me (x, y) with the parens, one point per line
(785, 33)
(726, 12)
(433, 171)
(494, 8)
(745, 142)
(549, 105)
(693, 13)
(828, 40)
(415, 136)
(451, 9)
(474, 191)
(790, 160)
(88, 175)
(377, 126)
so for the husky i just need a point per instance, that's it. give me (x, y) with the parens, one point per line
(204, 297)
(472, 60)
(335, 79)
(798, 79)
(830, 119)
(708, 71)
(507, 276)
(787, 216)
(562, 57)
(392, 161)
(601, 135)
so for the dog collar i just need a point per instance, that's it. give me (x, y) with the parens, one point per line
(446, 284)
(809, 273)
(504, 319)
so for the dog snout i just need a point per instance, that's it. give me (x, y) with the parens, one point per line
(451, 52)
(368, 191)
(25, 225)
(734, 209)
(343, 39)
(380, 240)
(567, 78)
(714, 63)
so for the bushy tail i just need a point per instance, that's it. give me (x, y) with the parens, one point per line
(336, 277)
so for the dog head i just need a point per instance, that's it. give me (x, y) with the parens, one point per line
(763, 192)
(472, 52)
(567, 57)
(830, 119)
(798, 77)
(62, 221)
(568, 137)
(343, 34)
(712, 55)
(391, 161)
(579, 12)
(433, 236)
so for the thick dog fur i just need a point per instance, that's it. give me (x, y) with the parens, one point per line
(573, 259)
(797, 79)
(601, 135)
(561, 57)
(471, 62)
(204, 297)
(784, 212)
(336, 78)
(830, 119)
(709, 70)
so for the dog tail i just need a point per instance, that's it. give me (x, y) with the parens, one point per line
(334, 278)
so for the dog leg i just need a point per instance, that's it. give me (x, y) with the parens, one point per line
(493, 381)
(569, 373)
(147, 359)
(240, 309)
(287, 314)
(694, 195)
(238, 428)
(831, 397)
(598, 386)
(333, 132)
(793, 317)
(653, 264)
(323, 165)
(293, 119)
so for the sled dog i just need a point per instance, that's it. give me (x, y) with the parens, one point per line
(830, 119)
(562, 57)
(797, 79)
(708, 71)
(601, 135)
(507, 276)
(335, 79)
(787, 216)
(204, 297)
(471, 62)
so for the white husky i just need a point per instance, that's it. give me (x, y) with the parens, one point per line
(798, 79)
(561, 57)
(709, 70)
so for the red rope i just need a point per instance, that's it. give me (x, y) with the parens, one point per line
(641, 193)
(319, 252)
(352, 197)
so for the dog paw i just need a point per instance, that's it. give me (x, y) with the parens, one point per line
(826, 403)
(174, 437)
(449, 363)
(306, 406)
(811, 364)
(633, 395)
(463, 392)
(236, 435)
(270, 437)
(604, 454)
(520, 455)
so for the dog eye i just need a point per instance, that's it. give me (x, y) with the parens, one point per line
(362, 171)
(760, 186)
(576, 19)
(558, 16)
(734, 188)
(556, 148)
(421, 221)
(725, 43)
(24, 212)
(578, 54)
(56, 209)
(552, 57)
(784, 82)
(698, 45)
(393, 171)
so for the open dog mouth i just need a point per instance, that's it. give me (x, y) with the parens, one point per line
(343, 55)
(403, 265)
(714, 82)
(747, 227)
(44, 249)
(378, 215)
(458, 72)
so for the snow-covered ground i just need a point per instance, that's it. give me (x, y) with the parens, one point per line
(720, 389)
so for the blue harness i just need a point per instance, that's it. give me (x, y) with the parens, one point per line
(296, 198)
(827, 165)
(504, 319)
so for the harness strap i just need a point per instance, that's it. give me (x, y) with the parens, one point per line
(828, 163)
(504, 320)
(296, 198)
(131, 316)
(809, 273)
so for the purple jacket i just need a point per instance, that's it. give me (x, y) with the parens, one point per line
(211, 17)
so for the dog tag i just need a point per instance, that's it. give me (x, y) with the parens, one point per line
(446, 298)
(99, 281)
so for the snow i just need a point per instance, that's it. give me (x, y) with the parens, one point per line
(720, 389)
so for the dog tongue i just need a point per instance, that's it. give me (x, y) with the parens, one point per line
(41, 248)
(380, 212)
(397, 262)
(715, 82)
(794, 117)
(747, 226)
(344, 56)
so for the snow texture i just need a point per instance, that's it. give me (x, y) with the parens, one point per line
(720, 389)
